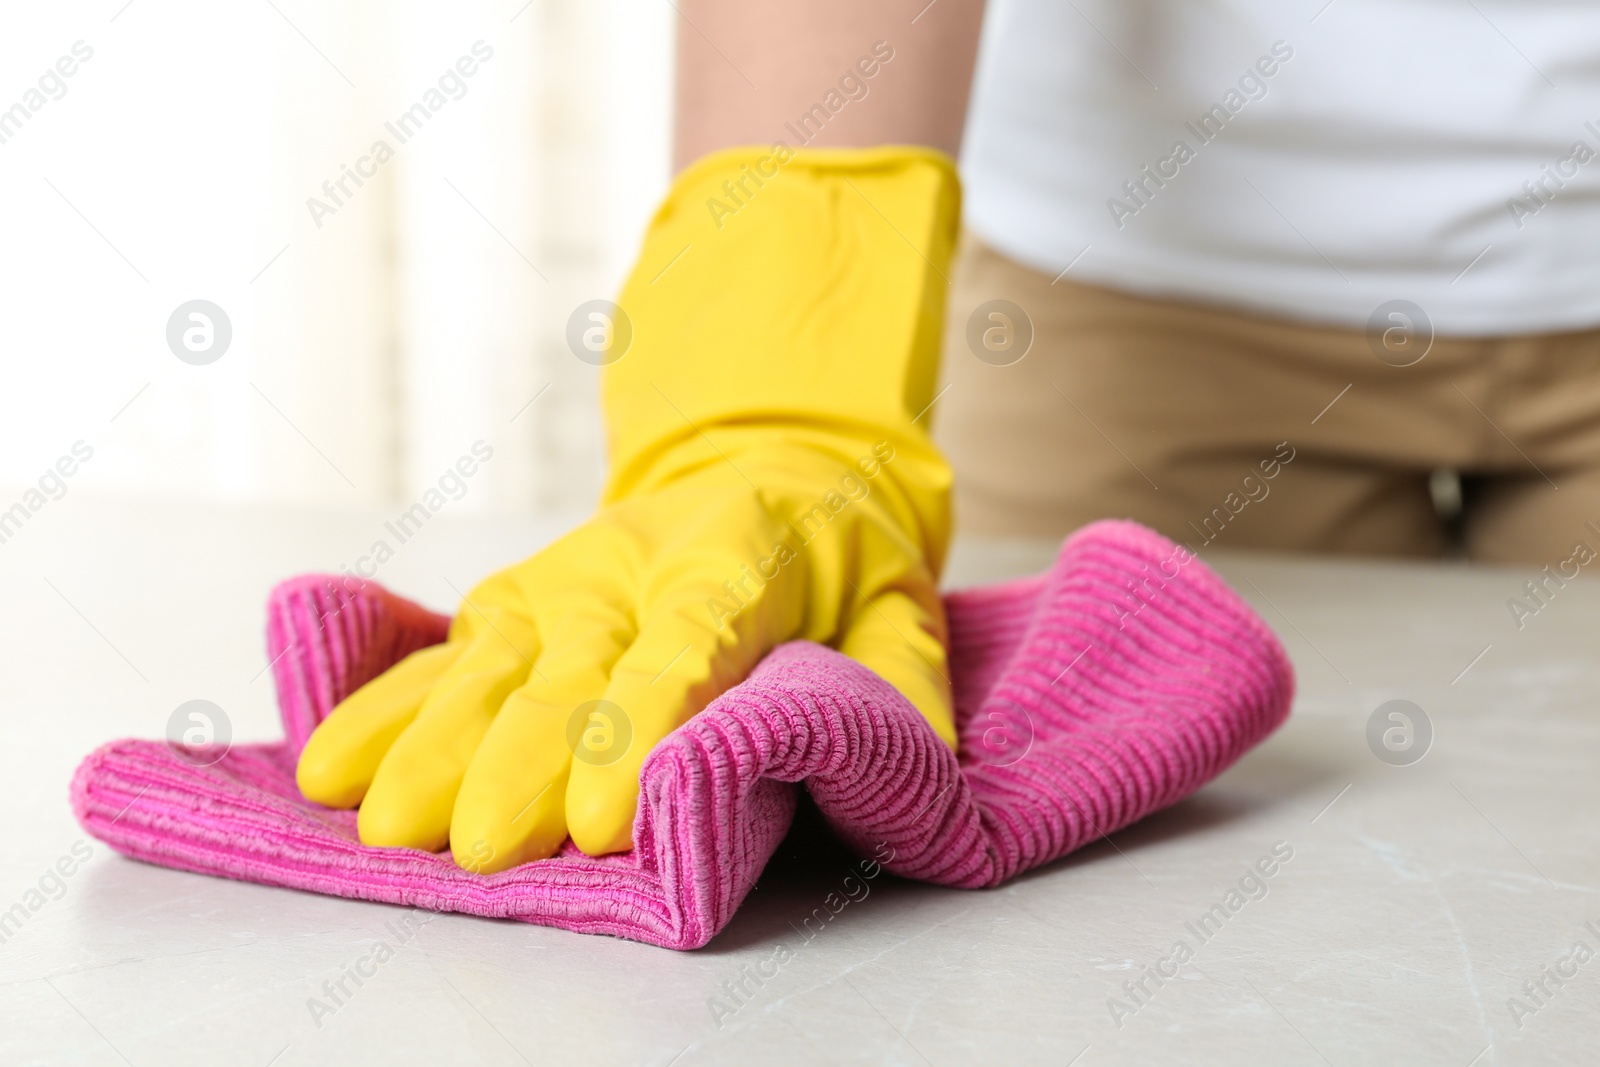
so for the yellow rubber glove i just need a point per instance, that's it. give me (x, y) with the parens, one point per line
(771, 479)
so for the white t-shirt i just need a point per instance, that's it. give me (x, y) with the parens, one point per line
(1298, 157)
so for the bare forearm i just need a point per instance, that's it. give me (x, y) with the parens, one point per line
(839, 73)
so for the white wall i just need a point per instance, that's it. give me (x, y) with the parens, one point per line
(374, 349)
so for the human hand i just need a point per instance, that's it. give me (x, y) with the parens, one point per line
(770, 482)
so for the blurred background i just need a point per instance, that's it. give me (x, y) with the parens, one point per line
(390, 306)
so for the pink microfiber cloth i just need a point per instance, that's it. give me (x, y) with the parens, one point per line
(1117, 683)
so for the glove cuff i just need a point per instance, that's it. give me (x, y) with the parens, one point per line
(794, 297)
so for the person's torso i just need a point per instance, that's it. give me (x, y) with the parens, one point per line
(1306, 159)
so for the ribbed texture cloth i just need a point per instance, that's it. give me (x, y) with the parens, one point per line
(1116, 683)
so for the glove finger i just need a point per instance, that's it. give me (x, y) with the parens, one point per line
(343, 752)
(903, 639)
(415, 787)
(512, 805)
(679, 663)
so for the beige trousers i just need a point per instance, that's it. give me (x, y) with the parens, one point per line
(1216, 426)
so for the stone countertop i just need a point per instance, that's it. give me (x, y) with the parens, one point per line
(1432, 911)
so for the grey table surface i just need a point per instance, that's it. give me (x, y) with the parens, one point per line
(1433, 912)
